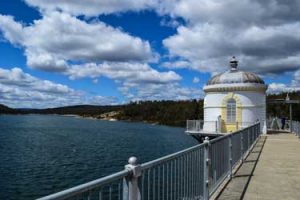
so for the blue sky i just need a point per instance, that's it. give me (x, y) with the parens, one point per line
(58, 53)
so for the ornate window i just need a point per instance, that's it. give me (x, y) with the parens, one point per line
(231, 111)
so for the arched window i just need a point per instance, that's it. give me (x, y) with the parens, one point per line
(231, 111)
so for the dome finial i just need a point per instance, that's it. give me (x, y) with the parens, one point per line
(233, 64)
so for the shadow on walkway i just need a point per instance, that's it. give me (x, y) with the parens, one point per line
(236, 188)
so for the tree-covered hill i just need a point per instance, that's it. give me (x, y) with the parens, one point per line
(89, 110)
(174, 113)
(6, 110)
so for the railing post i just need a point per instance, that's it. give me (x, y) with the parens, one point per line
(187, 125)
(242, 146)
(230, 156)
(206, 169)
(249, 140)
(131, 189)
(298, 129)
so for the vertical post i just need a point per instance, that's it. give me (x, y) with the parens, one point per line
(256, 131)
(298, 129)
(242, 146)
(253, 134)
(249, 140)
(206, 169)
(291, 118)
(187, 125)
(230, 156)
(131, 189)
(219, 124)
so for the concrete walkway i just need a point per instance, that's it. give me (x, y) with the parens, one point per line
(271, 171)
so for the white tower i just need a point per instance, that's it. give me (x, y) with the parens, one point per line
(235, 99)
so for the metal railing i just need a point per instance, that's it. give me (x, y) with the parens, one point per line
(194, 173)
(242, 125)
(198, 126)
(194, 125)
(296, 128)
(276, 124)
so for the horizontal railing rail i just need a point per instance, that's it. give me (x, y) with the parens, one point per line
(193, 173)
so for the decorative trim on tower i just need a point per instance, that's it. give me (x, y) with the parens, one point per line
(235, 87)
(230, 127)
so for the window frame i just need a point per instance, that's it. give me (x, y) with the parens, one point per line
(231, 111)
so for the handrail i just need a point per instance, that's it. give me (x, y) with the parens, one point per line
(169, 157)
(87, 186)
(193, 173)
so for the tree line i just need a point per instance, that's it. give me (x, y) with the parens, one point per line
(173, 113)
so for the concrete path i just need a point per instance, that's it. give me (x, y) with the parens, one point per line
(271, 171)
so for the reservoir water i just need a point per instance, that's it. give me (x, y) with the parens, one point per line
(43, 154)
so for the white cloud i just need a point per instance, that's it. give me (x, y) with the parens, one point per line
(129, 72)
(138, 81)
(79, 49)
(171, 91)
(21, 90)
(196, 80)
(276, 88)
(208, 47)
(52, 42)
(264, 35)
(95, 81)
(16, 77)
(93, 7)
(179, 64)
(294, 85)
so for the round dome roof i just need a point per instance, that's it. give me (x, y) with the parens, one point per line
(235, 76)
(235, 80)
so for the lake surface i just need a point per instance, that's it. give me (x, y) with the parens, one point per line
(42, 154)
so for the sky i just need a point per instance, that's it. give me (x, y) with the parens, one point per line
(107, 52)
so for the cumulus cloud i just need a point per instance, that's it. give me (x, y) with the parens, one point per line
(129, 72)
(264, 35)
(79, 49)
(171, 91)
(52, 42)
(92, 7)
(178, 64)
(138, 81)
(294, 85)
(196, 80)
(22, 90)
(263, 50)
(276, 88)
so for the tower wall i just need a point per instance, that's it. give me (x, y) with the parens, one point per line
(251, 106)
